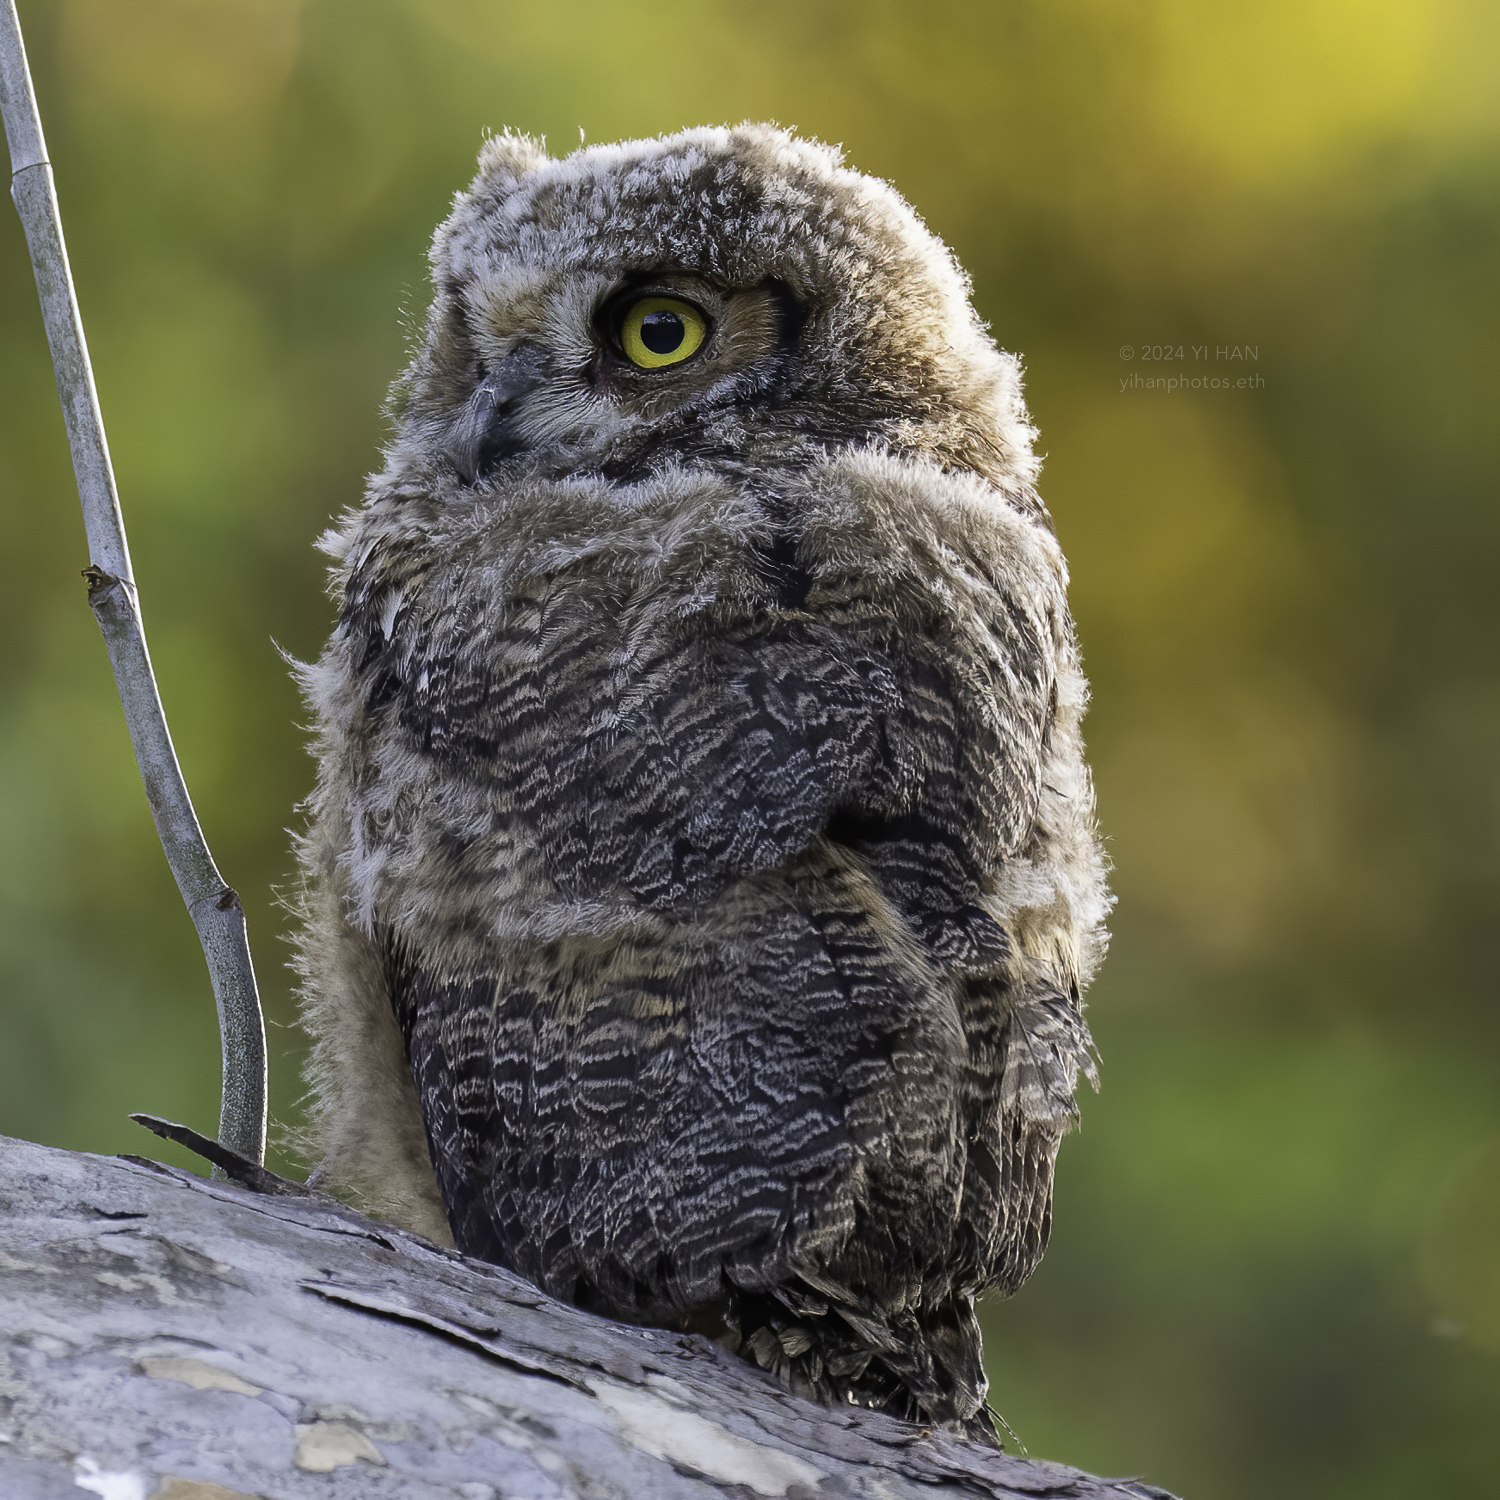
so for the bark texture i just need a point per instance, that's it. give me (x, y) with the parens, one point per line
(166, 1337)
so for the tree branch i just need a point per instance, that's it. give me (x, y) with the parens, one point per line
(213, 906)
(168, 1335)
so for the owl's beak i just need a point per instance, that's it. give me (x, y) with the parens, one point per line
(486, 429)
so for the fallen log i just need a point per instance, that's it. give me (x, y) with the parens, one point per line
(168, 1337)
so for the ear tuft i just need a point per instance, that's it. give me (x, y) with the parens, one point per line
(506, 158)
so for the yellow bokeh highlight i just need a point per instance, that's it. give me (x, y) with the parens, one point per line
(1219, 784)
(187, 60)
(1280, 88)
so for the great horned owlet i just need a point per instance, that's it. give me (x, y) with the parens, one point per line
(702, 869)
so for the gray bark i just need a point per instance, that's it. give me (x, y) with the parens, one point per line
(167, 1337)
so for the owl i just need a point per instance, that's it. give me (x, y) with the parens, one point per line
(702, 873)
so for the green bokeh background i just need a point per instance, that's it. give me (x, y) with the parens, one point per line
(1276, 1263)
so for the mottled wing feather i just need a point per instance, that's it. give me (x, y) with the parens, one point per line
(664, 773)
(553, 1108)
(716, 752)
(577, 1134)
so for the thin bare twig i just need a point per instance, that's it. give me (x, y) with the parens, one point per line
(213, 906)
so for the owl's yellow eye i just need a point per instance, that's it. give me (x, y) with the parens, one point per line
(659, 331)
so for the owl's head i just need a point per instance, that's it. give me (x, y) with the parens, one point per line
(728, 296)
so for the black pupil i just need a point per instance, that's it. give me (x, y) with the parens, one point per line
(662, 332)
